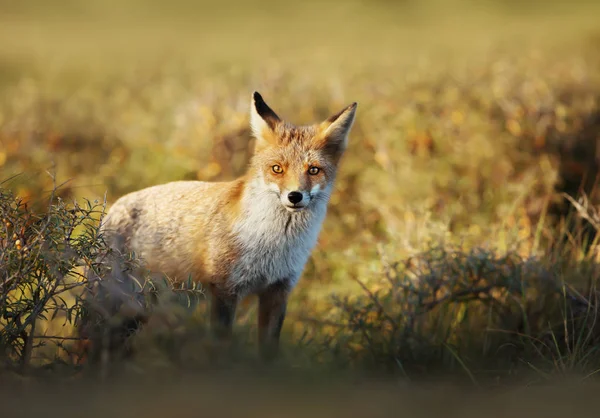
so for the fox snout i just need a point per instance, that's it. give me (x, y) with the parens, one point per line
(295, 200)
(295, 197)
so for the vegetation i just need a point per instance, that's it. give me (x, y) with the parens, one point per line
(39, 256)
(461, 240)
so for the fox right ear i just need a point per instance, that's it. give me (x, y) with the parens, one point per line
(335, 130)
(262, 117)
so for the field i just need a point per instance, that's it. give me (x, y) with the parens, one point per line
(461, 241)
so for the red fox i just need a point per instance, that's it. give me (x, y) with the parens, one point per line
(252, 235)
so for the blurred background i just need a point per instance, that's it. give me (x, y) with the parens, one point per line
(476, 118)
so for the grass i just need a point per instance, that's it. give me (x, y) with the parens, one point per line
(449, 250)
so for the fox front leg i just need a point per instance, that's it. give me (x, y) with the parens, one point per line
(223, 306)
(271, 313)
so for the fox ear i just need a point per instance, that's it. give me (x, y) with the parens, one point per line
(335, 130)
(262, 117)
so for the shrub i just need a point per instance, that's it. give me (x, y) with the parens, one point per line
(42, 257)
(473, 310)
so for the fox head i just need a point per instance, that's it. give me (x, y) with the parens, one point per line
(297, 163)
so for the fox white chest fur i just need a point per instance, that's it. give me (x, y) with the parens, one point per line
(274, 243)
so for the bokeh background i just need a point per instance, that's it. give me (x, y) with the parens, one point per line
(449, 236)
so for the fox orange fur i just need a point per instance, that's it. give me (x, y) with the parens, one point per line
(252, 235)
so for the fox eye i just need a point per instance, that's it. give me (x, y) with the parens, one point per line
(314, 171)
(277, 169)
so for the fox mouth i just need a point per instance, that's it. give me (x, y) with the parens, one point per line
(294, 208)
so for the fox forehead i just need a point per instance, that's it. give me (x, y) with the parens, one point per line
(288, 134)
(292, 145)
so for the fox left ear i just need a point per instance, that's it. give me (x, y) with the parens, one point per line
(262, 118)
(336, 128)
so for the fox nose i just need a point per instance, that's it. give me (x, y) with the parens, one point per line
(295, 197)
